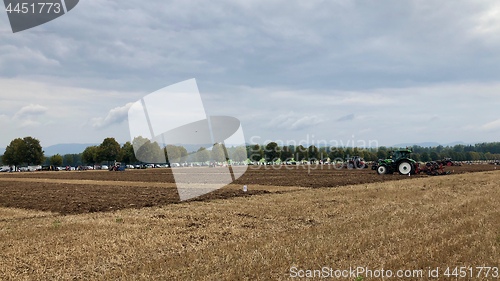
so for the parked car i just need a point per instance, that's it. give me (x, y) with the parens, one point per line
(49, 168)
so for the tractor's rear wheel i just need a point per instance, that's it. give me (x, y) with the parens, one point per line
(382, 170)
(405, 168)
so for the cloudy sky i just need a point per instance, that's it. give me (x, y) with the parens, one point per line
(337, 71)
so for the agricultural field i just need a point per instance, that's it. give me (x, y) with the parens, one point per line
(130, 225)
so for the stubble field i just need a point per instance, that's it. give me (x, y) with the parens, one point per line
(109, 225)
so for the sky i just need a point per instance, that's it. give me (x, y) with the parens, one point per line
(340, 72)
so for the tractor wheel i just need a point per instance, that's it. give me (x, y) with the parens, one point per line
(405, 168)
(382, 170)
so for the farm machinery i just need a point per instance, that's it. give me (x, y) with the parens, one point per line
(117, 167)
(435, 168)
(448, 162)
(355, 162)
(400, 161)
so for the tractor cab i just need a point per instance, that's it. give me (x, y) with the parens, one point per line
(400, 154)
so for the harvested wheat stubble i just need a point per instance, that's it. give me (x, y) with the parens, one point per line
(414, 224)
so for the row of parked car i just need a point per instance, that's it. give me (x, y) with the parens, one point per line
(103, 167)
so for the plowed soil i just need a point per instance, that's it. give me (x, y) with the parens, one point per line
(100, 191)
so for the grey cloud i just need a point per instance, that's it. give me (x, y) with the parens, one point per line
(349, 117)
(268, 43)
(115, 116)
(261, 59)
(294, 121)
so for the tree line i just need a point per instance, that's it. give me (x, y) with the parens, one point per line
(28, 151)
(272, 152)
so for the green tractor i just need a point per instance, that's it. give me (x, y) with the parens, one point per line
(399, 161)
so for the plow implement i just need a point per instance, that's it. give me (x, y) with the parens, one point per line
(433, 168)
(401, 162)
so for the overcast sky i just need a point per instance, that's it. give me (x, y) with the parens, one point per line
(336, 71)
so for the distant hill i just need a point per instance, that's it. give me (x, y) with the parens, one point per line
(429, 144)
(66, 148)
(2, 151)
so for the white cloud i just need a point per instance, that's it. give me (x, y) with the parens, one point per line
(116, 115)
(487, 23)
(306, 122)
(494, 125)
(30, 115)
(31, 110)
(294, 121)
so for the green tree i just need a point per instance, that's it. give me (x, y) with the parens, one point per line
(424, 157)
(173, 153)
(348, 152)
(56, 160)
(68, 160)
(146, 151)
(109, 150)
(127, 154)
(488, 156)
(300, 153)
(336, 153)
(13, 155)
(286, 153)
(255, 153)
(382, 152)
(370, 156)
(312, 153)
(239, 154)
(416, 156)
(218, 152)
(272, 152)
(202, 155)
(149, 152)
(434, 156)
(183, 152)
(322, 153)
(89, 155)
(33, 154)
(472, 156)
(23, 151)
